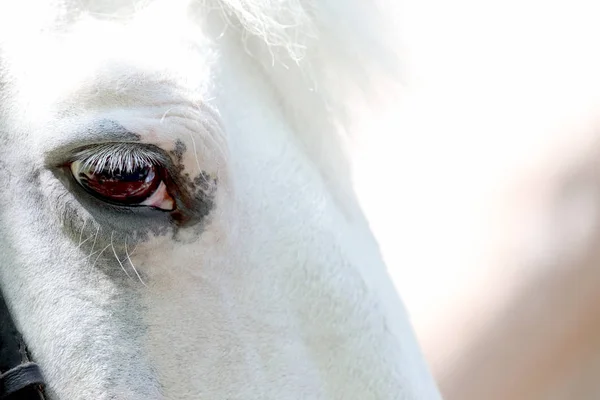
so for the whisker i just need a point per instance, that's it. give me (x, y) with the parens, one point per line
(97, 258)
(133, 266)
(82, 243)
(117, 257)
(134, 249)
(95, 238)
(196, 154)
(81, 233)
(90, 255)
(162, 119)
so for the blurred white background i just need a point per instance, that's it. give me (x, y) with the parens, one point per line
(482, 186)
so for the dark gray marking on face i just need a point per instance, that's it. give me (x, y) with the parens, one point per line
(197, 199)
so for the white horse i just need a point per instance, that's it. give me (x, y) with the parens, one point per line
(177, 214)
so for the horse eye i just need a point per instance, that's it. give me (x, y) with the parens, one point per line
(136, 185)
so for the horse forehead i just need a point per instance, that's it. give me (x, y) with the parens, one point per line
(95, 59)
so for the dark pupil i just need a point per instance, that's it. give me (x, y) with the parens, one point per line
(128, 187)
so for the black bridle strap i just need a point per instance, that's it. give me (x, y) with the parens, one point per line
(23, 380)
(20, 379)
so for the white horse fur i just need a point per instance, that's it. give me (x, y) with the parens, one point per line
(274, 289)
